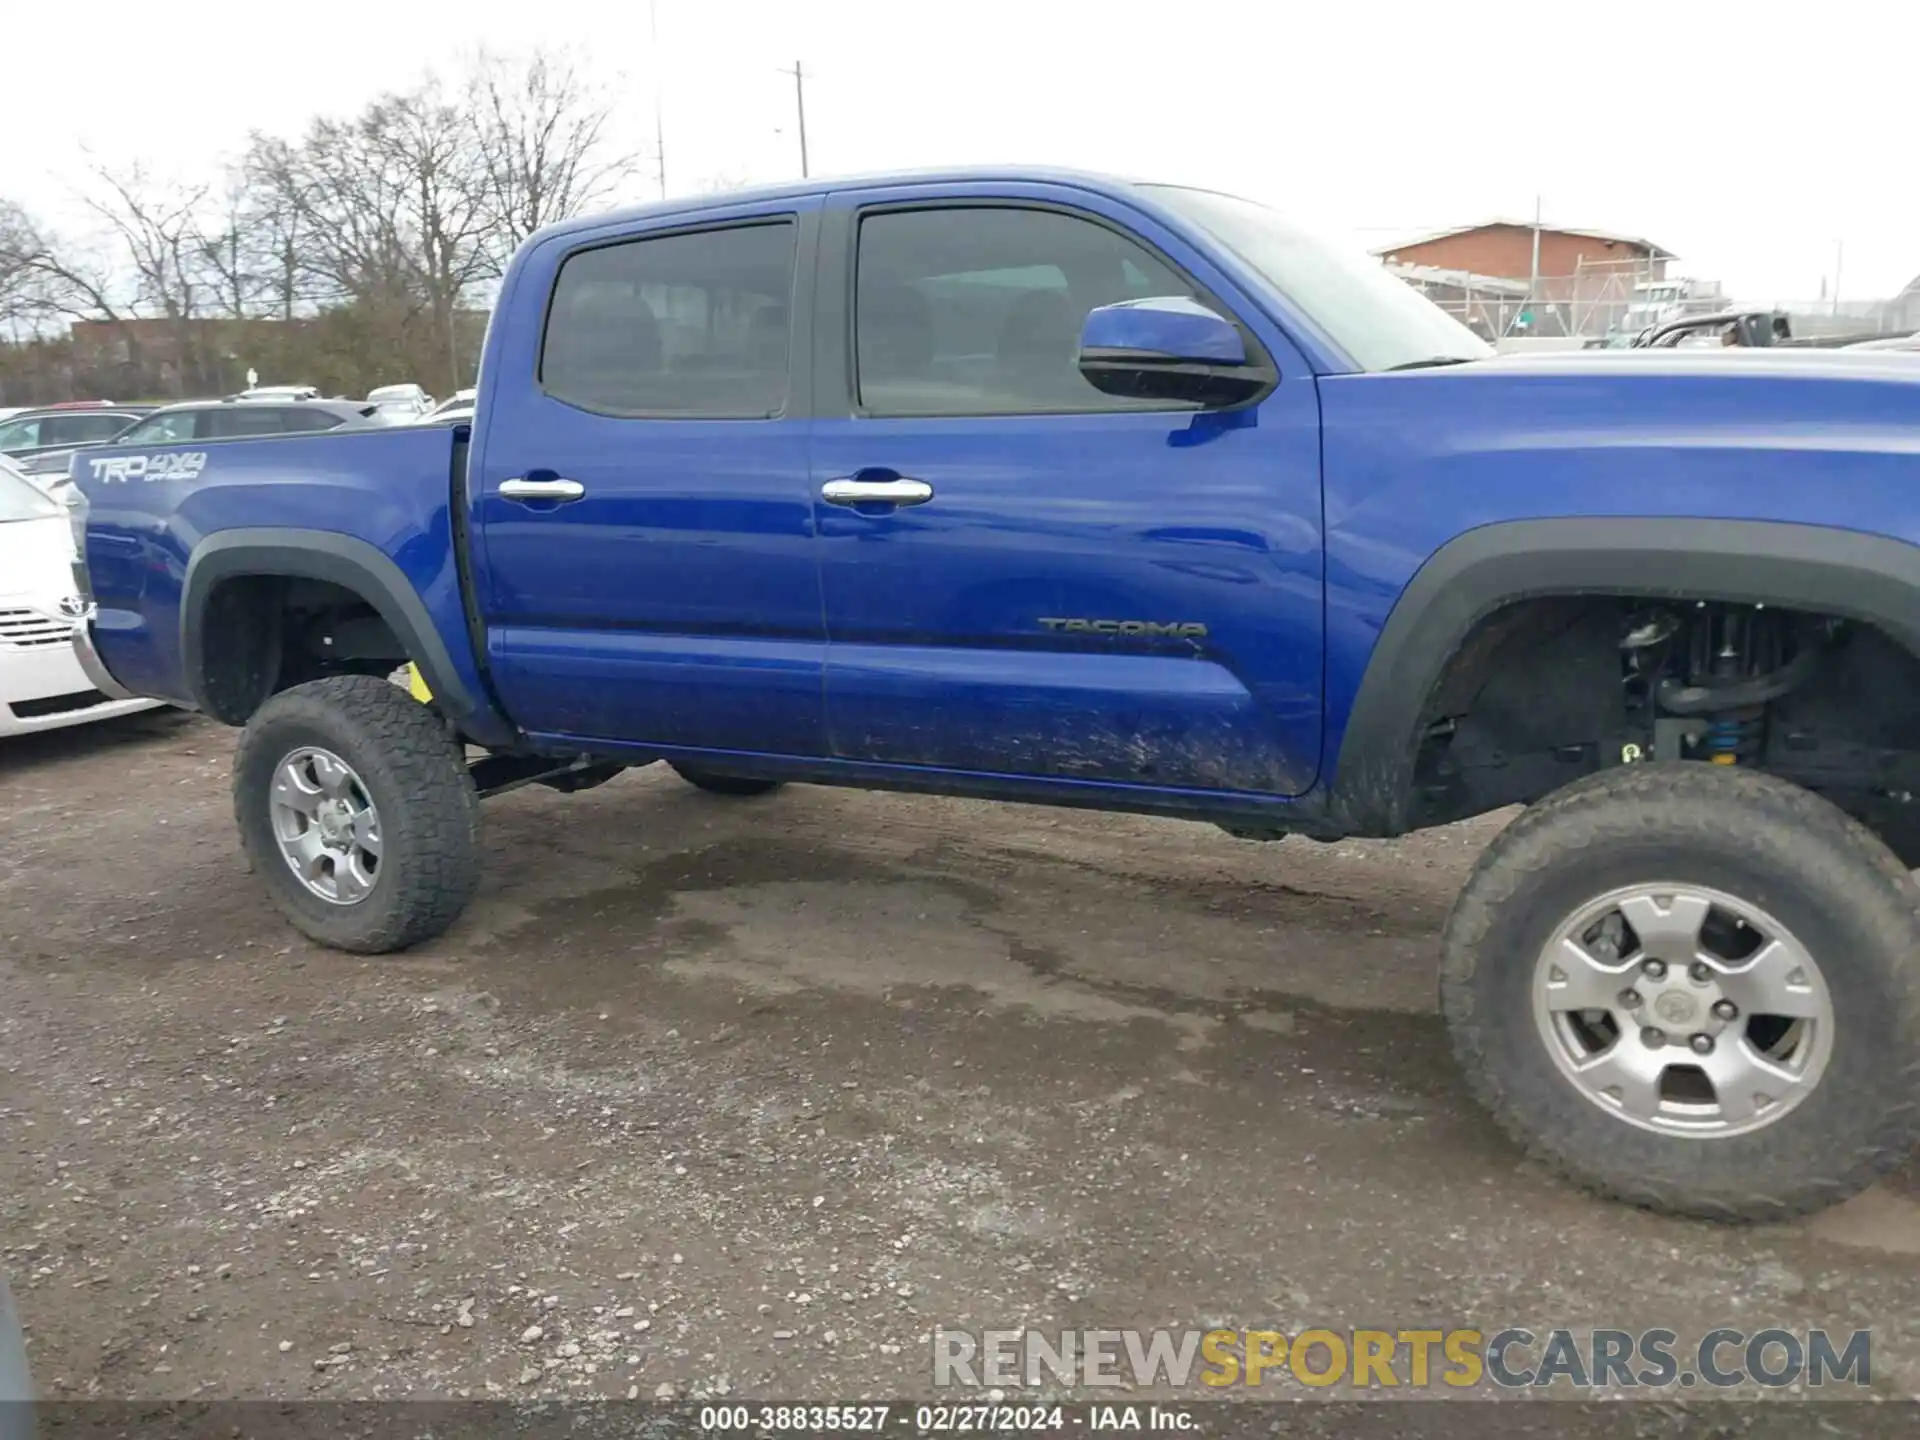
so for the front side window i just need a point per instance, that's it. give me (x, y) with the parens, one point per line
(165, 429)
(678, 327)
(977, 310)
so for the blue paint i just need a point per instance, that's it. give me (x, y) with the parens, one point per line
(389, 487)
(703, 599)
(1164, 328)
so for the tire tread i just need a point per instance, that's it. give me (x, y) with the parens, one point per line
(1706, 805)
(433, 832)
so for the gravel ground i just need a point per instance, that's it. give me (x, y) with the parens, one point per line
(742, 1097)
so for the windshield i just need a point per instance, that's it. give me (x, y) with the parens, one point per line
(1378, 320)
(19, 500)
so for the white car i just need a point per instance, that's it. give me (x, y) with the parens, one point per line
(400, 404)
(42, 686)
(456, 409)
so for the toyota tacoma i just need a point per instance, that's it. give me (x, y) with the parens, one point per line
(1058, 489)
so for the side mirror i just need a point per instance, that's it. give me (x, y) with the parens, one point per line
(1168, 347)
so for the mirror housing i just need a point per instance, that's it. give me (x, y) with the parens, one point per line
(1168, 347)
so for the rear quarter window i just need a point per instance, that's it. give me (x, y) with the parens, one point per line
(309, 420)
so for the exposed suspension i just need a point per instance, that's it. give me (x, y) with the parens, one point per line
(1704, 676)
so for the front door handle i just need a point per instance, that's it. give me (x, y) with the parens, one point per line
(541, 489)
(876, 492)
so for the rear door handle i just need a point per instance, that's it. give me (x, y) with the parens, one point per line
(542, 489)
(876, 492)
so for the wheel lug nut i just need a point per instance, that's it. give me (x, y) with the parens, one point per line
(1630, 999)
(1652, 1038)
(1654, 969)
(1699, 971)
(1702, 1044)
(1725, 1010)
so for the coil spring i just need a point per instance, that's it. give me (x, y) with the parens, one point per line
(1732, 738)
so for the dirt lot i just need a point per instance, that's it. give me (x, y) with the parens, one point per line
(743, 1097)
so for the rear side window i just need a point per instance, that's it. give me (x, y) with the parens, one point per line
(977, 310)
(680, 327)
(239, 420)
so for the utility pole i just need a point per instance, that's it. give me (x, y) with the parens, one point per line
(1533, 277)
(800, 104)
(659, 129)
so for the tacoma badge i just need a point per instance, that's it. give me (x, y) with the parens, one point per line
(1181, 629)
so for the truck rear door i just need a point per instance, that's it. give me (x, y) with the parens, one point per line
(1045, 582)
(644, 546)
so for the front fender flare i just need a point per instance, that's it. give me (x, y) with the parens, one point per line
(348, 562)
(1847, 573)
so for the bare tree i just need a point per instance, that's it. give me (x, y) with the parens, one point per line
(541, 127)
(156, 227)
(46, 280)
(276, 211)
(20, 250)
(356, 253)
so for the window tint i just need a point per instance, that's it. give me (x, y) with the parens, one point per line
(166, 428)
(978, 311)
(683, 326)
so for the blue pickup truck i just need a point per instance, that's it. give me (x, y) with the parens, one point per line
(1053, 488)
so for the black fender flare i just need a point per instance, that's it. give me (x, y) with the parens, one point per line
(359, 567)
(1847, 573)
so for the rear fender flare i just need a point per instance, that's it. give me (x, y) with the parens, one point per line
(355, 565)
(1847, 573)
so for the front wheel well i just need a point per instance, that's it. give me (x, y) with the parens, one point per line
(1543, 691)
(262, 634)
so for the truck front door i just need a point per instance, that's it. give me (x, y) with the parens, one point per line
(644, 545)
(1024, 576)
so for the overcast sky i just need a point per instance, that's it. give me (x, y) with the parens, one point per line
(1754, 141)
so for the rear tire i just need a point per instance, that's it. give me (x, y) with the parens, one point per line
(401, 853)
(715, 783)
(1807, 1087)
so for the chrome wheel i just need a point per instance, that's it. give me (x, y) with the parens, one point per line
(327, 828)
(1683, 1010)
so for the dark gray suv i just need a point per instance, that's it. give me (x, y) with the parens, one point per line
(209, 420)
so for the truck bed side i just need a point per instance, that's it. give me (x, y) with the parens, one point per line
(367, 510)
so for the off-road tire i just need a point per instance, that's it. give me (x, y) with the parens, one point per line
(715, 783)
(416, 776)
(1825, 877)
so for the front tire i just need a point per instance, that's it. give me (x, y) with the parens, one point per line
(355, 806)
(716, 783)
(1693, 988)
